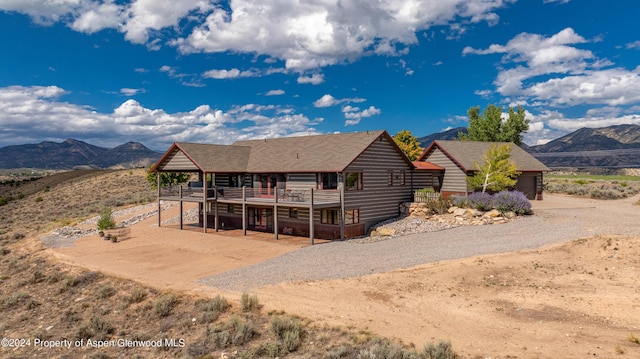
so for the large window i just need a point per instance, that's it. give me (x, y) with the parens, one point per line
(352, 216)
(328, 180)
(330, 216)
(353, 181)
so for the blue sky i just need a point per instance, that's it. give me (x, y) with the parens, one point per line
(158, 71)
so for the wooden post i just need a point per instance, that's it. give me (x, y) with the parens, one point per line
(275, 216)
(244, 210)
(159, 191)
(215, 209)
(180, 206)
(204, 203)
(311, 229)
(342, 210)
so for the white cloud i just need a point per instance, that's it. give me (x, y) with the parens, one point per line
(304, 34)
(131, 92)
(103, 16)
(633, 45)
(31, 114)
(229, 74)
(274, 93)
(328, 101)
(314, 79)
(353, 117)
(552, 71)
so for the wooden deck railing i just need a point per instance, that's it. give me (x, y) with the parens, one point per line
(181, 191)
(282, 195)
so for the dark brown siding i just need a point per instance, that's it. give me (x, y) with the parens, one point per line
(455, 180)
(377, 200)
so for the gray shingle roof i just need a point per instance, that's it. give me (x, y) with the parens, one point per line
(467, 153)
(319, 153)
(217, 158)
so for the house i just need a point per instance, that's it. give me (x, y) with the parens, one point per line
(324, 186)
(460, 159)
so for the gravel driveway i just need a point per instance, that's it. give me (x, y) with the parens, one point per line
(557, 219)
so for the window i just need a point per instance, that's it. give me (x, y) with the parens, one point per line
(329, 216)
(353, 181)
(293, 212)
(390, 178)
(332, 216)
(352, 216)
(230, 208)
(403, 178)
(328, 180)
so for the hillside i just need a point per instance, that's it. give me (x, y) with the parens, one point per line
(44, 298)
(451, 134)
(608, 147)
(71, 154)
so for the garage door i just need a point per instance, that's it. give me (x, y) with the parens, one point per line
(527, 185)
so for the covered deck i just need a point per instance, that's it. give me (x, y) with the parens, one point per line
(247, 196)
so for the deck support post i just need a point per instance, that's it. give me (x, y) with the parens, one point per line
(204, 202)
(159, 193)
(342, 210)
(275, 215)
(311, 229)
(244, 210)
(215, 209)
(180, 190)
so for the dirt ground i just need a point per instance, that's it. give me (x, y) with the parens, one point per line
(577, 299)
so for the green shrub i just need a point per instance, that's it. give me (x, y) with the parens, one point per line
(438, 205)
(289, 330)
(236, 332)
(249, 303)
(442, 350)
(100, 327)
(38, 199)
(164, 306)
(137, 295)
(106, 221)
(106, 291)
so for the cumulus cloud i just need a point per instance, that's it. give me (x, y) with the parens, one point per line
(327, 101)
(553, 71)
(274, 93)
(304, 34)
(31, 114)
(354, 115)
(131, 92)
(229, 74)
(315, 79)
(633, 45)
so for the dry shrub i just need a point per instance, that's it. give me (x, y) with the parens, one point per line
(164, 306)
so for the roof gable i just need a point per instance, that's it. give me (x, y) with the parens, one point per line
(319, 153)
(467, 153)
(209, 158)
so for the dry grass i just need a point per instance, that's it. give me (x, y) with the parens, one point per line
(598, 189)
(67, 199)
(45, 299)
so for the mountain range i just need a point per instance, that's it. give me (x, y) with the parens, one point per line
(610, 147)
(74, 154)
